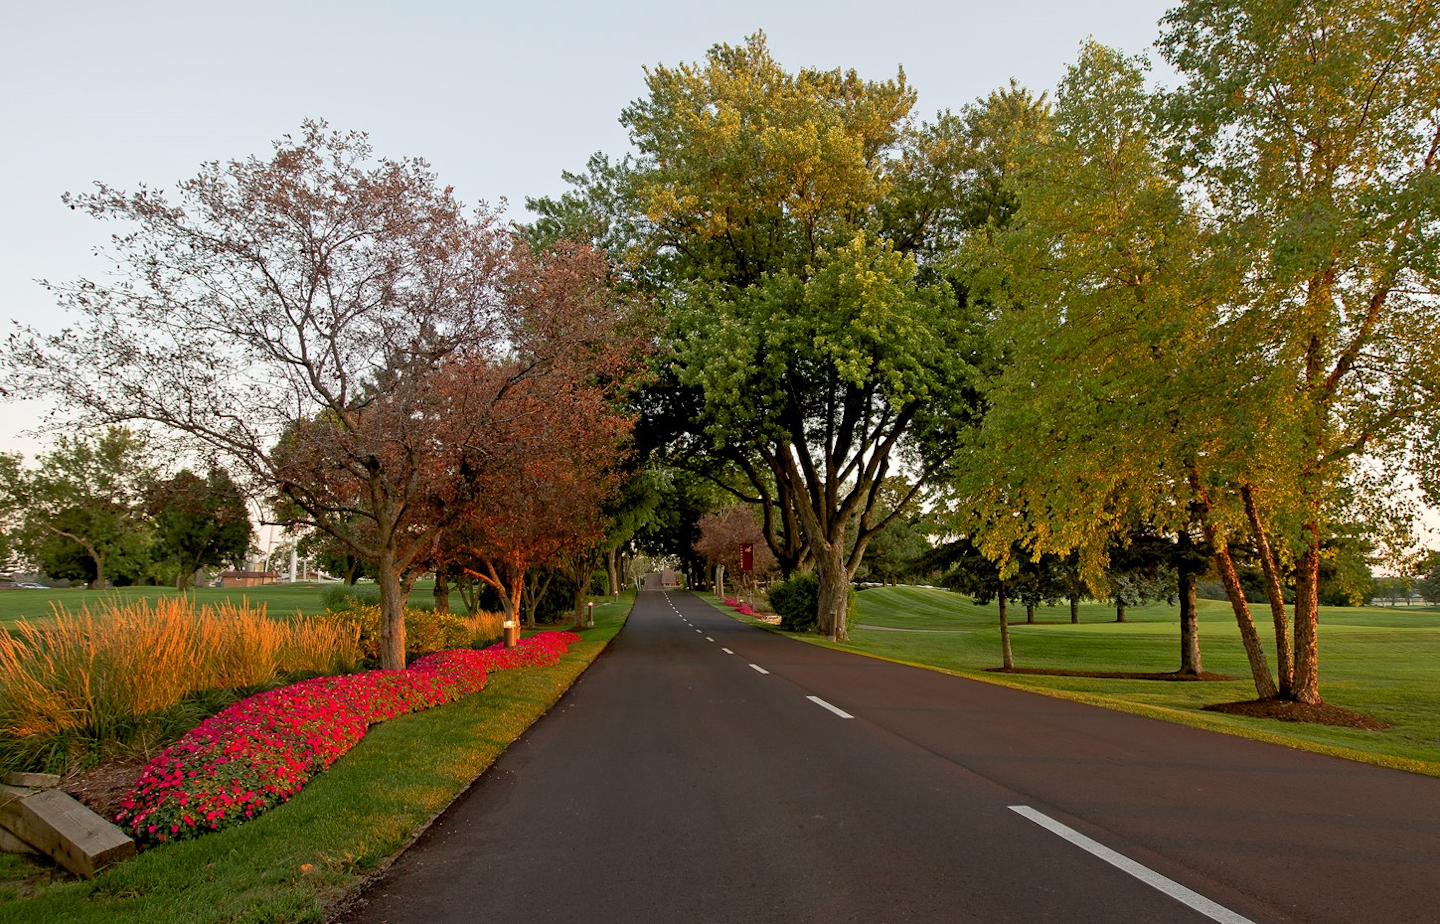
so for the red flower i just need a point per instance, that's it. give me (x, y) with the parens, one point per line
(257, 752)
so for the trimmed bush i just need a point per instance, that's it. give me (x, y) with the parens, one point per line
(798, 602)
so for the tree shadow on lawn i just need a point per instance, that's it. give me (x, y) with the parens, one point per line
(1276, 709)
(1112, 675)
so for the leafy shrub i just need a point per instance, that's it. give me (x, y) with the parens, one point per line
(798, 602)
(426, 631)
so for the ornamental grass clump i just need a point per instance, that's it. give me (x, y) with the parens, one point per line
(259, 752)
(83, 680)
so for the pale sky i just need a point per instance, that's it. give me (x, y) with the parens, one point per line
(499, 97)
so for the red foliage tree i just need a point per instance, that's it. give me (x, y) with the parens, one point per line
(722, 534)
(556, 436)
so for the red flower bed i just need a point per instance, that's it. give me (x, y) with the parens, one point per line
(260, 751)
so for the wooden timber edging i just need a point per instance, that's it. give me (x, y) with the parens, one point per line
(50, 822)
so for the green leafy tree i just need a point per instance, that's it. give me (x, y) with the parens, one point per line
(1090, 425)
(1428, 571)
(1311, 131)
(80, 511)
(819, 348)
(199, 521)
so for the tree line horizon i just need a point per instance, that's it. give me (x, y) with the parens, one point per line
(1202, 320)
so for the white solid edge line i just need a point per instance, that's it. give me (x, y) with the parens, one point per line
(727, 650)
(835, 709)
(760, 669)
(1170, 887)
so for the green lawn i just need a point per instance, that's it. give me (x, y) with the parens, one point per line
(1377, 660)
(292, 863)
(279, 599)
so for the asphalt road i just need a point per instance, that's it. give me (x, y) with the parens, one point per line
(703, 770)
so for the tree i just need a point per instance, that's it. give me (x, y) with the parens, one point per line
(966, 568)
(80, 511)
(1429, 573)
(294, 315)
(199, 521)
(555, 433)
(804, 324)
(721, 535)
(1311, 132)
(1089, 426)
(334, 557)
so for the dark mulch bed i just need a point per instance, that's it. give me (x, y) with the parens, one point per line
(103, 786)
(1287, 711)
(1111, 675)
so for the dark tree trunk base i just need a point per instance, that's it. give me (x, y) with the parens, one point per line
(1292, 711)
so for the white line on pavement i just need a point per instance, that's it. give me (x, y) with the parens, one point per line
(835, 709)
(1146, 875)
(760, 669)
(709, 639)
(727, 650)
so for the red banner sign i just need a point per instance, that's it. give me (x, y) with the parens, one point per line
(747, 556)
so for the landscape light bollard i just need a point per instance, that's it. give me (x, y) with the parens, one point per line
(512, 633)
(590, 617)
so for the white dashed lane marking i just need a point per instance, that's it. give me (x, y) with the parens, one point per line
(835, 709)
(1170, 887)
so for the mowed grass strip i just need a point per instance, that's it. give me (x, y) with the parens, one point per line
(289, 864)
(1381, 661)
(280, 600)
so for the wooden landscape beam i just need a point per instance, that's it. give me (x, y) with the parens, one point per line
(55, 824)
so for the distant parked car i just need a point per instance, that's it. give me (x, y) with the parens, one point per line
(32, 585)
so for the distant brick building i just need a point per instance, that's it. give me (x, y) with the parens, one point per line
(247, 578)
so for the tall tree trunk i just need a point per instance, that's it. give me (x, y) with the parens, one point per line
(1259, 667)
(612, 569)
(1030, 613)
(469, 592)
(99, 558)
(1007, 657)
(532, 591)
(834, 591)
(442, 591)
(1284, 665)
(579, 601)
(392, 614)
(1190, 665)
(1074, 610)
(1306, 687)
(1119, 609)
